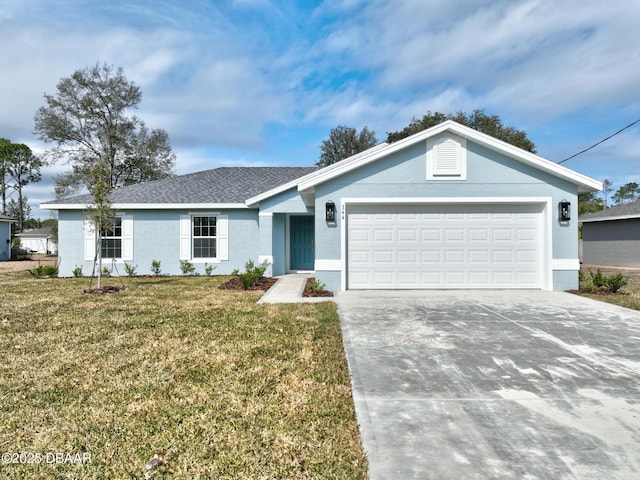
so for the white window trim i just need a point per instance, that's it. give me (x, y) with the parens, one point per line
(186, 237)
(461, 154)
(91, 240)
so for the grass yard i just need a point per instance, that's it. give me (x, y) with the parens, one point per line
(220, 386)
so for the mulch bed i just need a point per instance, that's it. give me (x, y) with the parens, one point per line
(105, 289)
(599, 292)
(264, 284)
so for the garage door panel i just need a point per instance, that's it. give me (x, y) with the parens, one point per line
(444, 246)
(383, 235)
(407, 256)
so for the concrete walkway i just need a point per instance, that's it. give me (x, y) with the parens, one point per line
(289, 288)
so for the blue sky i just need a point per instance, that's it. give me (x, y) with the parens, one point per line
(259, 82)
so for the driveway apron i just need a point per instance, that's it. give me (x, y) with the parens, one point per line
(494, 384)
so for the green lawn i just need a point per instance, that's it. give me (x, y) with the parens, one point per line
(220, 386)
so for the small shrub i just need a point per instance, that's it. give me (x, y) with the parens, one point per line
(106, 272)
(44, 271)
(252, 273)
(155, 267)
(130, 269)
(208, 269)
(316, 286)
(77, 272)
(598, 282)
(235, 272)
(615, 282)
(187, 267)
(597, 279)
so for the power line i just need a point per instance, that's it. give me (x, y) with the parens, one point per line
(601, 141)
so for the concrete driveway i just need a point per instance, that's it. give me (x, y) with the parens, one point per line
(494, 384)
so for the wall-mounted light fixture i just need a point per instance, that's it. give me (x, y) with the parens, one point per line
(330, 212)
(564, 211)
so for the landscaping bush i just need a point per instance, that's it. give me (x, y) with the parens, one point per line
(45, 271)
(615, 282)
(252, 273)
(208, 269)
(77, 272)
(187, 268)
(597, 282)
(130, 269)
(316, 286)
(155, 267)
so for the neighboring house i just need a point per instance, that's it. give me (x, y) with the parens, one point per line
(5, 237)
(448, 207)
(38, 240)
(611, 237)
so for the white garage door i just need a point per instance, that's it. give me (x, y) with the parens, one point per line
(444, 246)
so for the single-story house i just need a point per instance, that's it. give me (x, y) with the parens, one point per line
(5, 237)
(611, 237)
(448, 207)
(38, 240)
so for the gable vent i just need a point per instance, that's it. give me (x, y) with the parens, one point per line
(446, 159)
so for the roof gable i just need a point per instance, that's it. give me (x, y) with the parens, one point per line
(584, 183)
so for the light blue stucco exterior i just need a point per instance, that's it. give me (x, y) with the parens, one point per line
(395, 174)
(156, 236)
(490, 175)
(5, 240)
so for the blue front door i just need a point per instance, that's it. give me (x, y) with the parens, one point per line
(301, 237)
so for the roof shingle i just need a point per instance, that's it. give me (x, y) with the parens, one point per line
(219, 185)
(626, 210)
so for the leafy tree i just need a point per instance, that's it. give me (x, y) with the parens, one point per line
(18, 167)
(100, 212)
(88, 121)
(344, 142)
(21, 212)
(478, 120)
(589, 202)
(607, 187)
(628, 192)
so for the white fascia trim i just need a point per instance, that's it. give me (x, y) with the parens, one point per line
(148, 206)
(565, 264)
(343, 166)
(274, 191)
(587, 183)
(328, 264)
(606, 219)
(443, 200)
(265, 214)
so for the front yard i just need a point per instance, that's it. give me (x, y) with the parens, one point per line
(92, 386)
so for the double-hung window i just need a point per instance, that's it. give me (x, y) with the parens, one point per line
(204, 237)
(116, 239)
(112, 239)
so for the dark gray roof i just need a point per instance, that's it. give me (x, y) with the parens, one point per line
(626, 210)
(220, 185)
(36, 232)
